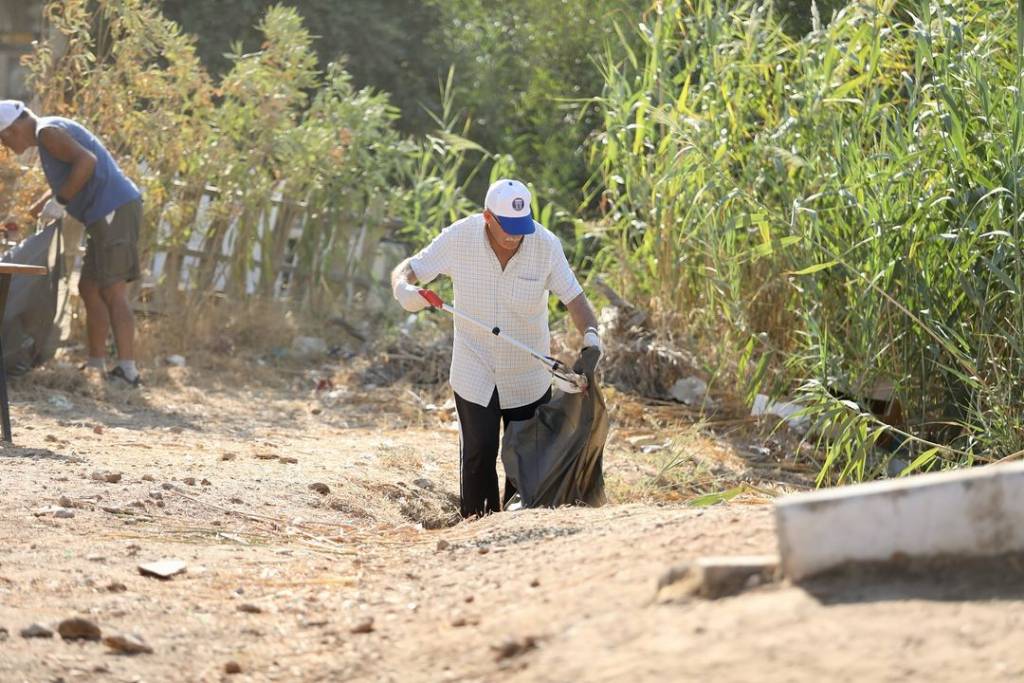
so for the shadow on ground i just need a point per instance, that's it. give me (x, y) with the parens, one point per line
(939, 579)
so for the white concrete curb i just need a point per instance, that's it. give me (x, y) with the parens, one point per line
(977, 512)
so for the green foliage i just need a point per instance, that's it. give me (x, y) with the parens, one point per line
(840, 209)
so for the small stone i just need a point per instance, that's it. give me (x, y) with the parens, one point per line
(513, 647)
(189, 481)
(322, 489)
(316, 411)
(459, 622)
(98, 429)
(65, 502)
(167, 486)
(64, 513)
(535, 583)
(469, 598)
(206, 482)
(4, 634)
(95, 558)
(36, 631)
(236, 500)
(51, 438)
(250, 608)
(148, 477)
(133, 549)
(483, 550)
(109, 477)
(364, 625)
(443, 545)
(164, 569)
(227, 456)
(116, 587)
(288, 460)
(232, 668)
(78, 628)
(128, 644)
(156, 495)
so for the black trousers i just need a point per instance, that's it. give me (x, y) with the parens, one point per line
(479, 428)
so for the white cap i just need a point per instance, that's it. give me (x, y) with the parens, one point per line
(10, 110)
(509, 201)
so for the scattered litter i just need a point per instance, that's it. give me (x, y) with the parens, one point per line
(309, 346)
(789, 412)
(689, 390)
(163, 569)
(60, 403)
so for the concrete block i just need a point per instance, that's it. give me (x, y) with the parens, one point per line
(716, 577)
(968, 513)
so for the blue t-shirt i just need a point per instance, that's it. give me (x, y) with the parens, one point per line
(108, 188)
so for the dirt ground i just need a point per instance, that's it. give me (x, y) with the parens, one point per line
(321, 544)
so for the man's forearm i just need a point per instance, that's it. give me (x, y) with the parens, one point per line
(81, 172)
(581, 313)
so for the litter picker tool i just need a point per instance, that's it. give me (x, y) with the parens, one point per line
(556, 367)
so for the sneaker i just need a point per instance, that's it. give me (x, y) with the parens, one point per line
(118, 374)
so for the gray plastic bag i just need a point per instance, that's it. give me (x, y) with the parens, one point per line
(30, 328)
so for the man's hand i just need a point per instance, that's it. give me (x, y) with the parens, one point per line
(52, 211)
(409, 296)
(415, 299)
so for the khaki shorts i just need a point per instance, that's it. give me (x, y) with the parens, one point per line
(111, 248)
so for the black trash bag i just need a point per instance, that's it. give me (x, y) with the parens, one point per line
(30, 330)
(556, 457)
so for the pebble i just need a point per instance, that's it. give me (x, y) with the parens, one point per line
(78, 628)
(148, 477)
(167, 486)
(4, 634)
(232, 668)
(64, 513)
(98, 429)
(443, 545)
(116, 587)
(164, 569)
(513, 647)
(363, 626)
(205, 482)
(156, 495)
(65, 502)
(288, 460)
(189, 481)
(250, 608)
(128, 644)
(109, 477)
(227, 456)
(36, 631)
(321, 488)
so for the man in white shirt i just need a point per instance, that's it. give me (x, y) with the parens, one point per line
(502, 265)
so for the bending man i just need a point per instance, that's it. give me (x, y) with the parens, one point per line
(87, 183)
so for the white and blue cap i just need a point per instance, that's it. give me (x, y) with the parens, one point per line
(10, 110)
(509, 201)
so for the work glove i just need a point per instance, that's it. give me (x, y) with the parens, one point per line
(52, 211)
(413, 299)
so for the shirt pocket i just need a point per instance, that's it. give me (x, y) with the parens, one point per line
(528, 297)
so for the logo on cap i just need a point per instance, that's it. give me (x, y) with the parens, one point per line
(518, 204)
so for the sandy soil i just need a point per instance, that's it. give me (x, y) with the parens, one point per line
(288, 583)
